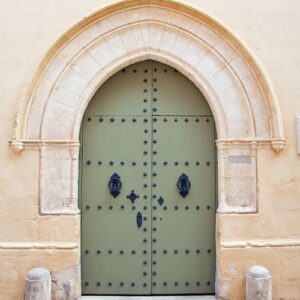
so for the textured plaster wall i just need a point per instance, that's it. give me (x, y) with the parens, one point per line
(271, 30)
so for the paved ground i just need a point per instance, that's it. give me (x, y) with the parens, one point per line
(148, 298)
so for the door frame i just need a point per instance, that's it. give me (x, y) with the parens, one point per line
(243, 102)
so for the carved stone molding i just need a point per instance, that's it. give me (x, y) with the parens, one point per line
(261, 243)
(58, 184)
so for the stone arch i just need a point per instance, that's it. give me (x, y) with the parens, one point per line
(242, 100)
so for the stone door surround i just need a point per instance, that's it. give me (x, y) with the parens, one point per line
(238, 91)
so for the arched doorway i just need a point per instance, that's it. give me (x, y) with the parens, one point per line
(245, 106)
(148, 190)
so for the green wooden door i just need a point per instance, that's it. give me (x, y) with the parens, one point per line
(148, 186)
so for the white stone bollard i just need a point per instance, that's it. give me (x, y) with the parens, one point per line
(258, 284)
(38, 285)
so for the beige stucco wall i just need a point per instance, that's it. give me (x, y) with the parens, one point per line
(270, 28)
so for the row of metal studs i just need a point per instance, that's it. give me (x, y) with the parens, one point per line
(146, 71)
(154, 217)
(133, 252)
(110, 284)
(134, 120)
(146, 130)
(132, 284)
(165, 163)
(145, 207)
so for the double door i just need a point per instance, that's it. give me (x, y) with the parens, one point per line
(148, 186)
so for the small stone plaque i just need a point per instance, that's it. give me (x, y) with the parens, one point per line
(239, 159)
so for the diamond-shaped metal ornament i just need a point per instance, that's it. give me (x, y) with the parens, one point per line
(161, 201)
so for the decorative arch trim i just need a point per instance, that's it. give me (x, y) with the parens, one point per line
(242, 100)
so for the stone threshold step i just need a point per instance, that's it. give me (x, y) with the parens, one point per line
(148, 298)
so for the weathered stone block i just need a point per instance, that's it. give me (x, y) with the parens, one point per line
(66, 284)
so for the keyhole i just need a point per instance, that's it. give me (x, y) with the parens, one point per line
(115, 184)
(183, 185)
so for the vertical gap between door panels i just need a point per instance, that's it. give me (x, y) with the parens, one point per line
(151, 172)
